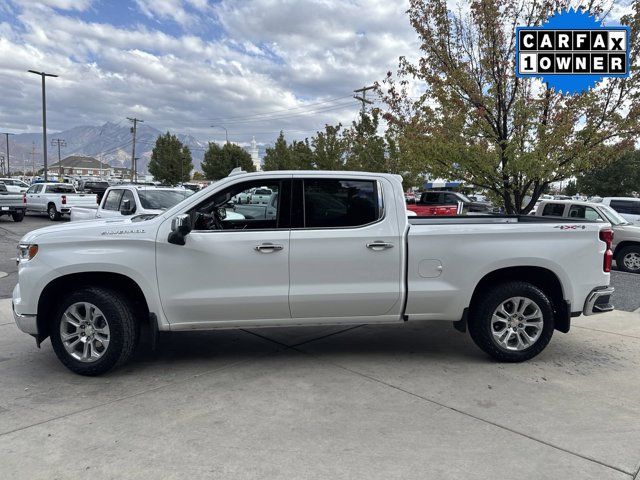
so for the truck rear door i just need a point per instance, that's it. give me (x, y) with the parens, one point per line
(346, 250)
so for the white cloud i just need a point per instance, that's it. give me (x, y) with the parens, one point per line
(265, 56)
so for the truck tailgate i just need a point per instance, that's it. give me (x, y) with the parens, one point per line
(11, 200)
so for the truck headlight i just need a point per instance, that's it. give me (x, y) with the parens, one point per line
(26, 251)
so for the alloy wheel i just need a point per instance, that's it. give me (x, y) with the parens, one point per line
(84, 332)
(516, 324)
(632, 261)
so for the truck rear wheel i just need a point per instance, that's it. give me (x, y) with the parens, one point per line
(53, 212)
(18, 216)
(512, 322)
(94, 330)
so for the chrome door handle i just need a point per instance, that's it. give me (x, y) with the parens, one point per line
(268, 247)
(379, 245)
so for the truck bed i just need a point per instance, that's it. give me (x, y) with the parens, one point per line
(489, 219)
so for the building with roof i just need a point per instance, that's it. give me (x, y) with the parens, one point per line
(82, 166)
(255, 158)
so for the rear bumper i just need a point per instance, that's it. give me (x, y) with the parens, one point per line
(598, 301)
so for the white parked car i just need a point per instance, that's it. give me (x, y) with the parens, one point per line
(628, 207)
(15, 185)
(340, 249)
(131, 199)
(56, 199)
(626, 236)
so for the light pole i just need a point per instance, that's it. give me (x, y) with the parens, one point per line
(226, 136)
(44, 118)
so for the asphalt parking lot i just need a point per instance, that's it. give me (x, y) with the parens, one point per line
(416, 400)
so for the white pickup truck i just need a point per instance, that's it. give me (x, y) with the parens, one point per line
(131, 199)
(56, 199)
(340, 250)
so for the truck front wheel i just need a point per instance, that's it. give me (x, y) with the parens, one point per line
(512, 322)
(94, 330)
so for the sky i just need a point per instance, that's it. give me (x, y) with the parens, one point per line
(251, 66)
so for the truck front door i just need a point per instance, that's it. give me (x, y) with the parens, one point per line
(346, 250)
(234, 266)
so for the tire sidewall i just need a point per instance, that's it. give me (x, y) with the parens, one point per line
(52, 212)
(116, 333)
(481, 328)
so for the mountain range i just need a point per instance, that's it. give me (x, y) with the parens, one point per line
(110, 142)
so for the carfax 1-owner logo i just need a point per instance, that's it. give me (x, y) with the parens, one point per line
(572, 51)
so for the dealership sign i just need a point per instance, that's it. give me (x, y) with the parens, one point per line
(572, 51)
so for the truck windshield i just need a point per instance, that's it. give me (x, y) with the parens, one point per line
(162, 199)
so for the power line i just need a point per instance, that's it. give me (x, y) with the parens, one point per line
(291, 115)
(276, 112)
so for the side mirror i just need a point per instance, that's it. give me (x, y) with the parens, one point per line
(125, 208)
(180, 227)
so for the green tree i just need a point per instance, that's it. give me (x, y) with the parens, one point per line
(620, 178)
(477, 122)
(329, 148)
(571, 188)
(219, 161)
(197, 176)
(366, 149)
(278, 156)
(301, 155)
(170, 160)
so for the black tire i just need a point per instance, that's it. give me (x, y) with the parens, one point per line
(53, 213)
(630, 266)
(482, 312)
(123, 331)
(18, 216)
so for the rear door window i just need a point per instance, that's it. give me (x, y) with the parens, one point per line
(340, 203)
(553, 210)
(60, 188)
(431, 198)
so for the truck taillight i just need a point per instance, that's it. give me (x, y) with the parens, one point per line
(64, 199)
(606, 235)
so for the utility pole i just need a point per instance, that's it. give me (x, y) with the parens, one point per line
(44, 118)
(60, 143)
(226, 137)
(363, 98)
(6, 136)
(134, 167)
